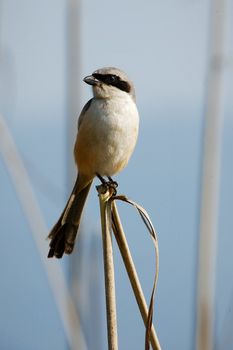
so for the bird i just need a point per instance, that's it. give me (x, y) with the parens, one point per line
(107, 134)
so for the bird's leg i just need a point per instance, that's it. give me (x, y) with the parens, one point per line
(102, 180)
(111, 183)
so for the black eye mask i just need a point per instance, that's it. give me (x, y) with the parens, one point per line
(114, 80)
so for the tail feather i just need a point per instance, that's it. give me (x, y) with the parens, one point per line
(64, 232)
(60, 244)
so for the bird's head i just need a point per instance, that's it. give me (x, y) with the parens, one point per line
(110, 82)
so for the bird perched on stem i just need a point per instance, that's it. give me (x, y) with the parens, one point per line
(107, 134)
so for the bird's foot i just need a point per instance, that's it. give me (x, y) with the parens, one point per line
(111, 184)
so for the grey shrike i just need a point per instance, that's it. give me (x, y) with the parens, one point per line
(107, 134)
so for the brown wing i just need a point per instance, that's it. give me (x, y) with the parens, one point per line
(84, 110)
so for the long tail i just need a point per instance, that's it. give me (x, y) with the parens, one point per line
(64, 232)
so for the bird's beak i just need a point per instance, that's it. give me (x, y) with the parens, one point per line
(90, 80)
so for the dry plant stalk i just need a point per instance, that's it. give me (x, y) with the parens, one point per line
(146, 314)
(110, 217)
(105, 194)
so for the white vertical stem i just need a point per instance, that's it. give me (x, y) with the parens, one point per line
(73, 82)
(73, 54)
(210, 184)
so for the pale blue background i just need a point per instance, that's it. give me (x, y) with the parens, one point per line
(163, 46)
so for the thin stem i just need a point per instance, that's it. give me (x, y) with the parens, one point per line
(106, 222)
(132, 273)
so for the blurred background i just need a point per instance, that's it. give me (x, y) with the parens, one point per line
(180, 56)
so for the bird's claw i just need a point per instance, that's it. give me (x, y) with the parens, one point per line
(113, 186)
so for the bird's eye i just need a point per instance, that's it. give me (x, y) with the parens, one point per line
(112, 78)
